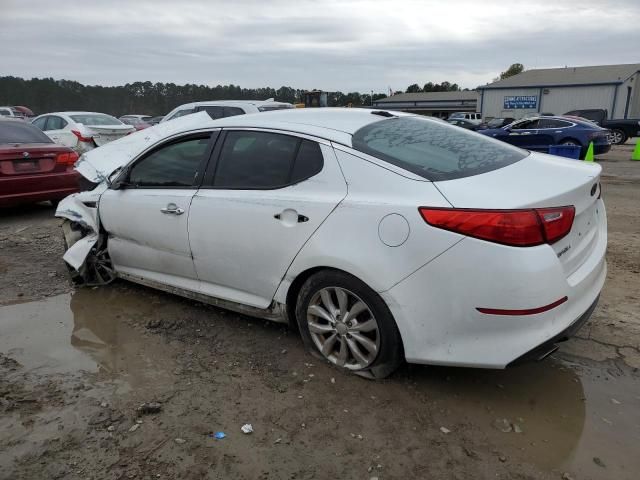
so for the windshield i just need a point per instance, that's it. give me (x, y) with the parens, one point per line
(434, 150)
(12, 132)
(95, 119)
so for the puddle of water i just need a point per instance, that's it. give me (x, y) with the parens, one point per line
(568, 414)
(85, 332)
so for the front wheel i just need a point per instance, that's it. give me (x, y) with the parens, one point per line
(348, 324)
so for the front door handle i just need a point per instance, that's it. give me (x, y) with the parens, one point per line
(172, 209)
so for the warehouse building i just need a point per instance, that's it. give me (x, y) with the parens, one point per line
(435, 104)
(614, 88)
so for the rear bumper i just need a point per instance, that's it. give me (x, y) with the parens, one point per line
(551, 345)
(37, 188)
(435, 308)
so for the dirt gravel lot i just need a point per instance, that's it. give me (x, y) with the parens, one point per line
(76, 365)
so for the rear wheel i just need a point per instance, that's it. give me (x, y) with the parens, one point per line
(618, 137)
(348, 324)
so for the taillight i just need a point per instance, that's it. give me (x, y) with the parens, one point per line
(518, 228)
(80, 137)
(66, 158)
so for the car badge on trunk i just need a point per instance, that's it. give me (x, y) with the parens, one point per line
(25, 154)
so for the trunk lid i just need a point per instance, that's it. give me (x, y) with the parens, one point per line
(29, 159)
(539, 181)
(103, 134)
(96, 165)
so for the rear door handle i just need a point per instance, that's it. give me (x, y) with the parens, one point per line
(172, 209)
(289, 215)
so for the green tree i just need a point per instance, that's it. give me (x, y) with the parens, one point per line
(514, 69)
(413, 88)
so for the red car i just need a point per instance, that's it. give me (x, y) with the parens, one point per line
(32, 167)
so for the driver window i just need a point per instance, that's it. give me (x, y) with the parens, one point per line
(172, 165)
(525, 125)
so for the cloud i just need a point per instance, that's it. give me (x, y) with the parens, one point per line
(346, 45)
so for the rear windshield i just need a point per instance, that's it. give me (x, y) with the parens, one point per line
(96, 119)
(16, 131)
(434, 150)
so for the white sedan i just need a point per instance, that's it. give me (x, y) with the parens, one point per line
(384, 236)
(82, 131)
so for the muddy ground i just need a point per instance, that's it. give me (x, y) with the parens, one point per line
(75, 366)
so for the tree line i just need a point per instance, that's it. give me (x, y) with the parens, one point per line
(48, 95)
(44, 95)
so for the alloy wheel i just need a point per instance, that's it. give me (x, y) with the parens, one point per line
(343, 328)
(616, 137)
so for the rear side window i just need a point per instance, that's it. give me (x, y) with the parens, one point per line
(13, 132)
(260, 160)
(434, 150)
(55, 123)
(214, 112)
(552, 123)
(40, 123)
(172, 165)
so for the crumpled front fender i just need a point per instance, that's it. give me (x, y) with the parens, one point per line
(81, 209)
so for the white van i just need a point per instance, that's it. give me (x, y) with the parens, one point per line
(472, 117)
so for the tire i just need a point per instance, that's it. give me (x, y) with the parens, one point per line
(339, 312)
(618, 137)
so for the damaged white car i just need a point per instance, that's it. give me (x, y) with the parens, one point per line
(383, 236)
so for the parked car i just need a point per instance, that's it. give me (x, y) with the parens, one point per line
(470, 116)
(374, 231)
(82, 131)
(155, 120)
(32, 167)
(11, 112)
(226, 108)
(461, 122)
(496, 123)
(540, 132)
(621, 129)
(139, 122)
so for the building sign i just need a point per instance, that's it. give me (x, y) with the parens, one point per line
(521, 102)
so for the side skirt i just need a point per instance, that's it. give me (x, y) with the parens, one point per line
(276, 312)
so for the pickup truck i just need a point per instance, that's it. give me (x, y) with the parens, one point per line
(621, 130)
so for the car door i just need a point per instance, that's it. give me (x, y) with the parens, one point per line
(57, 130)
(263, 197)
(551, 131)
(525, 134)
(146, 211)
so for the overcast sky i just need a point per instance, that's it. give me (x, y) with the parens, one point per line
(341, 45)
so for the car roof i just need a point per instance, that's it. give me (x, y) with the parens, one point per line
(228, 102)
(334, 124)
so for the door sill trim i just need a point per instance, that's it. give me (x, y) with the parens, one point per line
(276, 312)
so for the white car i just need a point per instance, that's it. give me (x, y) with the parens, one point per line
(11, 112)
(226, 108)
(384, 236)
(82, 131)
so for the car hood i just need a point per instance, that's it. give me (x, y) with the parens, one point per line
(97, 164)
